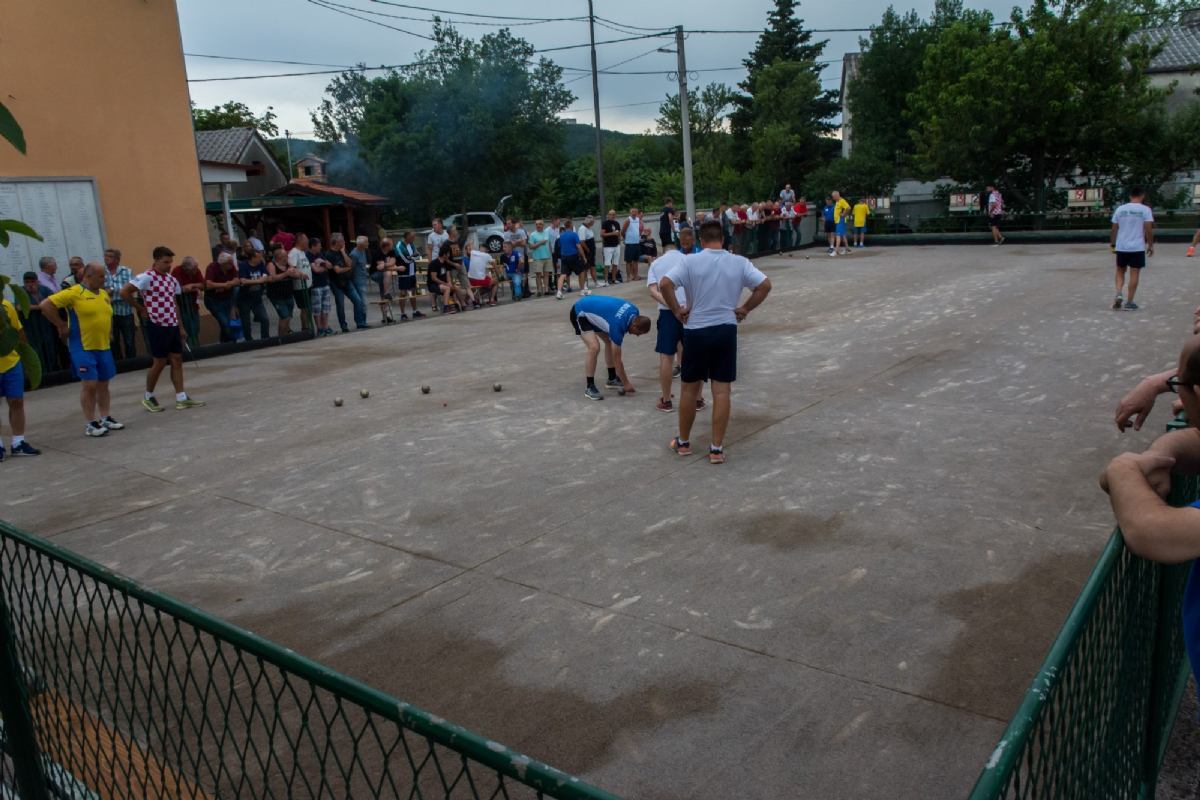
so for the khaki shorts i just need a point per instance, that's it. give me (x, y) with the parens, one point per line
(540, 265)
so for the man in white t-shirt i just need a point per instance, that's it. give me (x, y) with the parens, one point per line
(1132, 239)
(669, 343)
(479, 263)
(435, 239)
(631, 235)
(713, 280)
(588, 237)
(297, 259)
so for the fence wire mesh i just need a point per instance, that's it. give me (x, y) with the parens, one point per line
(1096, 720)
(131, 694)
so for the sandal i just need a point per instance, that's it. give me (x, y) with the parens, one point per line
(680, 448)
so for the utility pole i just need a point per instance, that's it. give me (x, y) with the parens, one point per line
(596, 109)
(287, 138)
(689, 194)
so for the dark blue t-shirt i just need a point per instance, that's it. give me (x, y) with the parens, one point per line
(512, 263)
(568, 243)
(827, 213)
(248, 271)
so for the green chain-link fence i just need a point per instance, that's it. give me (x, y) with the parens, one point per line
(112, 690)
(1097, 719)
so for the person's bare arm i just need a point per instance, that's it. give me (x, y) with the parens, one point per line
(619, 366)
(1183, 446)
(1139, 401)
(1112, 237)
(666, 290)
(655, 293)
(1148, 232)
(129, 295)
(1152, 529)
(752, 302)
(50, 312)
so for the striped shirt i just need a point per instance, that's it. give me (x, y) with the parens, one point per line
(114, 282)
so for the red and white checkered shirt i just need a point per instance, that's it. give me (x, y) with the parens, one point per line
(158, 291)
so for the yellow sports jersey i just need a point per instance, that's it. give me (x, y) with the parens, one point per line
(861, 210)
(9, 361)
(840, 209)
(90, 314)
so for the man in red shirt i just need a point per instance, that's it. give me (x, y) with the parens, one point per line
(191, 282)
(283, 238)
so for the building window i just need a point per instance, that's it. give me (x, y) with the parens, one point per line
(308, 171)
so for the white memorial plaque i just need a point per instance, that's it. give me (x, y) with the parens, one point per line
(62, 210)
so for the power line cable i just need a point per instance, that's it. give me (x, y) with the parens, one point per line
(267, 60)
(467, 13)
(321, 4)
(452, 21)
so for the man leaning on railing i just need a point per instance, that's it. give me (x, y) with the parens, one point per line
(1137, 483)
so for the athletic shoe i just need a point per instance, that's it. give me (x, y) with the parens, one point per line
(602, 284)
(716, 456)
(25, 449)
(1191, 251)
(345, 330)
(112, 424)
(665, 405)
(418, 315)
(832, 254)
(700, 406)
(1131, 306)
(404, 317)
(592, 393)
(151, 404)
(188, 402)
(585, 292)
(614, 382)
(93, 429)
(675, 372)
(364, 327)
(320, 333)
(680, 448)
(1002, 240)
(1117, 301)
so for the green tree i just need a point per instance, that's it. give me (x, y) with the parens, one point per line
(789, 130)
(234, 115)
(785, 39)
(1035, 101)
(340, 113)
(857, 176)
(708, 109)
(888, 72)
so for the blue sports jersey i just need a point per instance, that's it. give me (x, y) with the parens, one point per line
(827, 212)
(611, 315)
(568, 243)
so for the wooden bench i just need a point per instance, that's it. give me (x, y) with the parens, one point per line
(113, 766)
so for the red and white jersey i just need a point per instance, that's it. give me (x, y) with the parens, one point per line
(158, 291)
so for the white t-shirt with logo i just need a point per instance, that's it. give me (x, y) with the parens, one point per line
(1129, 219)
(435, 241)
(714, 280)
(660, 267)
(298, 259)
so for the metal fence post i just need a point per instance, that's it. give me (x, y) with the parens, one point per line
(18, 725)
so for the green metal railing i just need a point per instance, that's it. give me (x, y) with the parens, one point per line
(109, 689)
(1097, 719)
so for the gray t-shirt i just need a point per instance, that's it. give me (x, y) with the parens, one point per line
(1130, 219)
(435, 241)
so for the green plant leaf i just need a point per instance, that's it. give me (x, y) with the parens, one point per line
(16, 226)
(22, 298)
(10, 129)
(31, 364)
(9, 339)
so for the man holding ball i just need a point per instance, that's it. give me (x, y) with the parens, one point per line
(605, 319)
(713, 280)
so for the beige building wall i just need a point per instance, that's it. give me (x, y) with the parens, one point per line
(100, 90)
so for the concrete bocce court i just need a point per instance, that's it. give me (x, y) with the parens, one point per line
(851, 607)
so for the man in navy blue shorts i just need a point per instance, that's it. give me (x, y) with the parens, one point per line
(713, 280)
(605, 319)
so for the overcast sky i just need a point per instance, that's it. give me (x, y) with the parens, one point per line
(302, 30)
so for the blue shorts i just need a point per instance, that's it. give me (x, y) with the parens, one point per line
(670, 333)
(12, 382)
(92, 365)
(841, 229)
(860, 229)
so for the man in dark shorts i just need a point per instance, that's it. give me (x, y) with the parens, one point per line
(1132, 239)
(669, 343)
(713, 280)
(153, 293)
(995, 212)
(574, 259)
(610, 235)
(606, 319)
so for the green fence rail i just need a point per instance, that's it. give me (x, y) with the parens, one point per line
(109, 689)
(1096, 721)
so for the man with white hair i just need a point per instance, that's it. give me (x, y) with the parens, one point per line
(360, 261)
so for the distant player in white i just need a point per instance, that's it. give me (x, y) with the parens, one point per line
(1132, 239)
(713, 281)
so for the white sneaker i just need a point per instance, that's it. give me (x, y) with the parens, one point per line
(95, 430)
(559, 295)
(602, 284)
(832, 254)
(586, 292)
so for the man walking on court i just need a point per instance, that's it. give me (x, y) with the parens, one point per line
(1132, 239)
(157, 288)
(88, 331)
(601, 318)
(713, 281)
(995, 210)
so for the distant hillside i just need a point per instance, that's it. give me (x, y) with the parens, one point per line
(581, 139)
